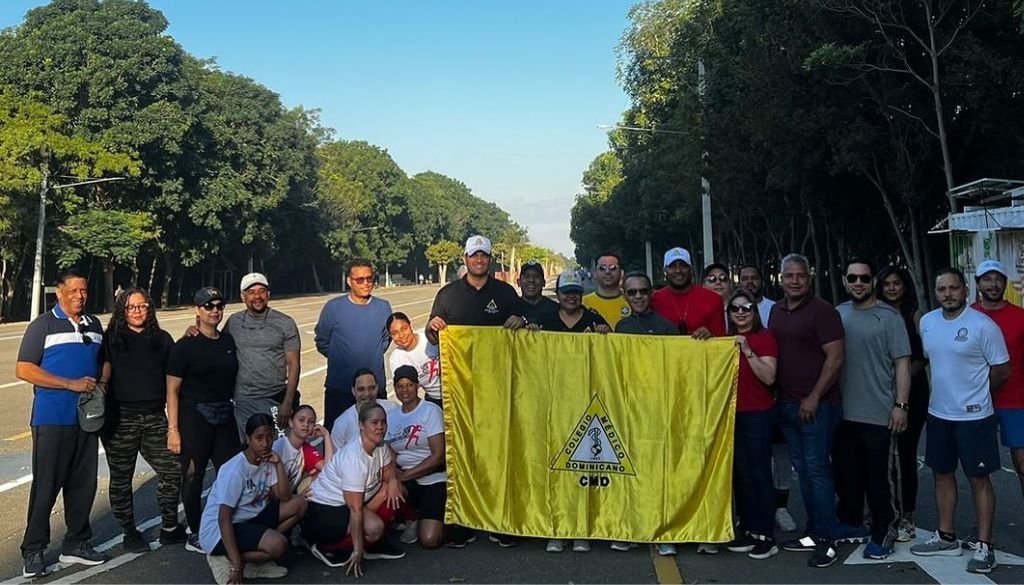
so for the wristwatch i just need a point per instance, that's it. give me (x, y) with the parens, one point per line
(903, 405)
(749, 354)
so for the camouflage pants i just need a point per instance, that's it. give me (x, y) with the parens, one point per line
(144, 433)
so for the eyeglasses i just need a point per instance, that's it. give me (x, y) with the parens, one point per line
(863, 278)
(137, 308)
(607, 268)
(744, 308)
(713, 279)
(211, 306)
(638, 292)
(362, 279)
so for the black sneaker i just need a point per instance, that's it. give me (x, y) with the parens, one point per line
(35, 565)
(134, 542)
(82, 553)
(460, 536)
(764, 547)
(803, 544)
(176, 536)
(825, 554)
(192, 544)
(741, 544)
(383, 550)
(504, 540)
(329, 558)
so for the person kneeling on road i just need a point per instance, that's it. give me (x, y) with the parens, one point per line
(353, 498)
(416, 435)
(249, 510)
(303, 459)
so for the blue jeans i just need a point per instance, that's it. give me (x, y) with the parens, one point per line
(752, 471)
(810, 450)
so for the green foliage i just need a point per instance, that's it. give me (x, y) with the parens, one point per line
(443, 253)
(111, 235)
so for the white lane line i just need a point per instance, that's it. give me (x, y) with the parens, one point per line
(313, 371)
(98, 569)
(12, 337)
(12, 384)
(27, 478)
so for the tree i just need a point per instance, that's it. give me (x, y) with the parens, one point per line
(442, 254)
(111, 236)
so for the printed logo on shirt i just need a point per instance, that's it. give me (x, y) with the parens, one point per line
(410, 434)
(625, 311)
(491, 307)
(961, 334)
(973, 408)
(594, 449)
(430, 370)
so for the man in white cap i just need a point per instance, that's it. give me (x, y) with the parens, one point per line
(268, 346)
(991, 279)
(475, 299)
(695, 310)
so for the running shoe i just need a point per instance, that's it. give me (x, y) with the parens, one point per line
(707, 548)
(845, 533)
(82, 553)
(555, 545)
(784, 520)
(984, 559)
(504, 540)
(741, 544)
(667, 550)
(327, 557)
(937, 546)
(876, 551)
(192, 544)
(383, 550)
(825, 554)
(764, 547)
(907, 531)
(35, 565)
(622, 546)
(804, 544)
(580, 545)
(134, 542)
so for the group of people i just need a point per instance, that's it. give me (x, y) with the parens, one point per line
(845, 387)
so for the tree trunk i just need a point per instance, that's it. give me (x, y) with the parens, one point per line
(442, 273)
(833, 264)
(3, 286)
(135, 271)
(919, 270)
(817, 252)
(152, 275)
(940, 119)
(108, 285)
(165, 294)
(316, 277)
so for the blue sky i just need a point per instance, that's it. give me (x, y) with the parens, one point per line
(502, 96)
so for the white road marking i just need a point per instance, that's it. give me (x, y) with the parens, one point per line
(942, 569)
(26, 478)
(12, 384)
(313, 371)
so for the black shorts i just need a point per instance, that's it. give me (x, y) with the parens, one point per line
(428, 500)
(249, 532)
(325, 524)
(972, 443)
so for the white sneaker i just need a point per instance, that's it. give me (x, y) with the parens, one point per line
(667, 550)
(784, 521)
(266, 570)
(622, 546)
(555, 546)
(220, 566)
(410, 534)
(580, 545)
(907, 531)
(707, 548)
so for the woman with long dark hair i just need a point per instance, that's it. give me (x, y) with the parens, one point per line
(897, 288)
(135, 365)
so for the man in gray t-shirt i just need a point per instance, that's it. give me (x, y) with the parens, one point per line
(875, 385)
(268, 347)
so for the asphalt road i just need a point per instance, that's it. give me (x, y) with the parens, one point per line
(480, 562)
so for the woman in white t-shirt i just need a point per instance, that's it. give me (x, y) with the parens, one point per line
(347, 496)
(416, 435)
(249, 510)
(413, 349)
(302, 459)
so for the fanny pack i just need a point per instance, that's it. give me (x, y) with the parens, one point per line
(216, 413)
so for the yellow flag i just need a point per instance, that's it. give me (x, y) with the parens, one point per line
(565, 435)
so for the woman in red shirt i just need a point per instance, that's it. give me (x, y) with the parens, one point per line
(755, 412)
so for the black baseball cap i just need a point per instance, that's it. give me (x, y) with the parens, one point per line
(532, 265)
(407, 371)
(205, 295)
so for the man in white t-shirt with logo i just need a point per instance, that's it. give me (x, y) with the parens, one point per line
(364, 388)
(969, 362)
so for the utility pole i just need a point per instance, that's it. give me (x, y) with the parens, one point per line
(705, 184)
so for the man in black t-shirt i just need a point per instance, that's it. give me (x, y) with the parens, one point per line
(572, 316)
(533, 305)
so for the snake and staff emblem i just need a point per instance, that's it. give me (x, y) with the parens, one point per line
(595, 443)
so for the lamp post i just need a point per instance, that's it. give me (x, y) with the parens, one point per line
(37, 272)
(705, 184)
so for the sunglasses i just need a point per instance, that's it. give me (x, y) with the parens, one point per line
(213, 306)
(607, 268)
(745, 308)
(863, 278)
(362, 279)
(638, 292)
(714, 279)
(137, 308)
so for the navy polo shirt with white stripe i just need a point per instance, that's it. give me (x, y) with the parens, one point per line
(63, 348)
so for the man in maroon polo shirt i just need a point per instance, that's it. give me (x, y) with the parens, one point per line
(810, 335)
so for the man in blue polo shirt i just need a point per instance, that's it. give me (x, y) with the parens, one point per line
(60, 356)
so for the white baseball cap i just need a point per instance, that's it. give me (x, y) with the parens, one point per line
(476, 244)
(254, 278)
(677, 254)
(990, 266)
(569, 281)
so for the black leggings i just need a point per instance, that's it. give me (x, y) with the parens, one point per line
(908, 441)
(201, 443)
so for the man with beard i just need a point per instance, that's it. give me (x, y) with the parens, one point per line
(608, 299)
(969, 364)
(642, 320)
(751, 281)
(268, 344)
(875, 385)
(694, 310)
(533, 305)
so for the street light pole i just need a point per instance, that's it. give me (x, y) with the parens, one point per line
(37, 269)
(705, 184)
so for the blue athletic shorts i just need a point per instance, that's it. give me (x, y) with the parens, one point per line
(1011, 427)
(971, 443)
